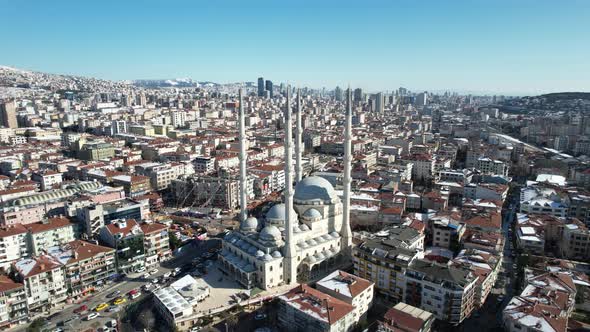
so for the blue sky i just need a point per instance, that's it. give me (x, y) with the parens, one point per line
(493, 46)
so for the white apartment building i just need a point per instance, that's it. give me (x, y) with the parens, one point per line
(349, 288)
(50, 233)
(490, 166)
(13, 244)
(178, 118)
(47, 179)
(44, 280)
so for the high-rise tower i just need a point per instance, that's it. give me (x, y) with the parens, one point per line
(290, 219)
(346, 232)
(260, 86)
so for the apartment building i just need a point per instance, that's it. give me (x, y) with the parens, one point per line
(530, 233)
(384, 260)
(446, 291)
(446, 231)
(134, 185)
(485, 266)
(127, 238)
(307, 309)
(49, 233)
(13, 244)
(47, 179)
(45, 282)
(491, 166)
(204, 165)
(156, 243)
(406, 318)
(351, 289)
(87, 266)
(13, 303)
(575, 243)
(545, 304)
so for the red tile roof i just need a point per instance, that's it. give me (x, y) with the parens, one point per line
(51, 223)
(317, 304)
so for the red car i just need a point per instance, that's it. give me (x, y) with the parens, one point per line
(81, 309)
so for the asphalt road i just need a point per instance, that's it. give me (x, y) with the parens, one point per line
(133, 281)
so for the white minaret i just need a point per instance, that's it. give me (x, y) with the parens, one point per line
(346, 232)
(290, 273)
(243, 156)
(298, 146)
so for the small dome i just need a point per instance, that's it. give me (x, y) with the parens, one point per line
(267, 257)
(240, 243)
(249, 225)
(252, 250)
(312, 259)
(335, 235)
(326, 237)
(276, 215)
(314, 189)
(270, 234)
(304, 228)
(276, 254)
(259, 253)
(312, 242)
(296, 229)
(312, 214)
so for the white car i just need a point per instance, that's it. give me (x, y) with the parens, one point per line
(92, 316)
(153, 271)
(167, 274)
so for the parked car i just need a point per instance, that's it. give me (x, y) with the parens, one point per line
(92, 316)
(114, 308)
(81, 309)
(101, 307)
(167, 275)
(114, 294)
(119, 301)
(153, 271)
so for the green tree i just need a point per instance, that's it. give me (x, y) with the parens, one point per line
(36, 325)
(174, 241)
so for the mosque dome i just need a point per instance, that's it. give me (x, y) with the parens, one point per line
(312, 214)
(249, 225)
(315, 189)
(259, 253)
(270, 234)
(304, 228)
(276, 254)
(276, 215)
(267, 257)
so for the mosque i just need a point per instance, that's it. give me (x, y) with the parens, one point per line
(300, 239)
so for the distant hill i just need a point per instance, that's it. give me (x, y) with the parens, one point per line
(552, 97)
